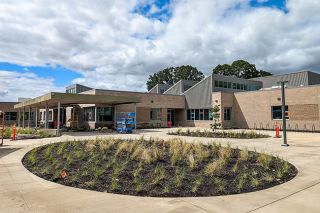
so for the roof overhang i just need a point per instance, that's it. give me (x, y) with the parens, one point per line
(66, 99)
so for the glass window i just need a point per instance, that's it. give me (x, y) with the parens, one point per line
(220, 83)
(234, 86)
(225, 84)
(186, 87)
(89, 114)
(201, 114)
(216, 83)
(227, 113)
(245, 87)
(196, 114)
(155, 114)
(50, 116)
(238, 86)
(206, 114)
(276, 112)
(229, 85)
(188, 114)
(11, 116)
(104, 114)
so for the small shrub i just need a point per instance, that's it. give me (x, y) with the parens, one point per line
(159, 175)
(180, 175)
(196, 185)
(244, 155)
(264, 160)
(166, 189)
(201, 152)
(123, 147)
(32, 157)
(213, 168)
(225, 154)
(235, 168)
(192, 162)
(62, 146)
(220, 184)
(255, 182)
(241, 184)
(48, 151)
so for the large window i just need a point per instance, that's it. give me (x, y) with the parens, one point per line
(198, 114)
(89, 114)
(104, 114)
(155, 114)
(227, 113)
(10, 116)
(71, 91)
(276, 112)
(236, 86)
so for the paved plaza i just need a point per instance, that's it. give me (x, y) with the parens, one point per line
(21, 191)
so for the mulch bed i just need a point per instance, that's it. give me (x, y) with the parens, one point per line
(70, 164)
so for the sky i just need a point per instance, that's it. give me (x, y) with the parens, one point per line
(46, 45)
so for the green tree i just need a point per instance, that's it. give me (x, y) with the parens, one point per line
(172, 75)
(215, 115)
(240, 69)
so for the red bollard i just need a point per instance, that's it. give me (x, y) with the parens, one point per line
(277, 130)
(14, 132)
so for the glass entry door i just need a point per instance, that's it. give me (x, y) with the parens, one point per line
(171, 116)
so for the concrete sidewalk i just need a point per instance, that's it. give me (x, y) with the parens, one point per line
(21, 191)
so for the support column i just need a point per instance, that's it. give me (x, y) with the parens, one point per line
(36, 121)
(46, 117)
(58, 120)
(23, 113)
(95, 114)
(135, 116)
(29, 114)
(19, 117)
(62, 116)
(115, 117)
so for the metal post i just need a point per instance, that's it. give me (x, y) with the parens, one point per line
(135, 116)
(29, 114)
(283, 109)
(19, 117)
(58, 120)
(115, 117)
(62, 116)
(36, 121)
(2, 129)
(95, 115)
(23, 117)
(46, 126)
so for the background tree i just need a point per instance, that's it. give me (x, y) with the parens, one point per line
(240, 69)
(172, 75)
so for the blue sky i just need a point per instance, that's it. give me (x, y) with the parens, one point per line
(62, 76)
(118, 44)
(280, 4)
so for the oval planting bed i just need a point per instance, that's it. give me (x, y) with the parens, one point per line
(157, 168)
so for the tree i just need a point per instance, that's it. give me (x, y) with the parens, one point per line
(215, 114)
(240, 69)
(172, 75)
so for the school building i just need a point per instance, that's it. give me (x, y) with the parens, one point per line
(244, 103)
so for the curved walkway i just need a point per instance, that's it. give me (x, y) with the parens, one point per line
(21, 191)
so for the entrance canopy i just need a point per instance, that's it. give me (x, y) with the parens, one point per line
(66, 99)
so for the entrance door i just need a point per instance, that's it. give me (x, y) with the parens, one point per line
(171, 116)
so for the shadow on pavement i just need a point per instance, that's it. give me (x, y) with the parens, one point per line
(6, 151)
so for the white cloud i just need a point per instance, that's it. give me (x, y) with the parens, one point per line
(111, 45)
(26, 85)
